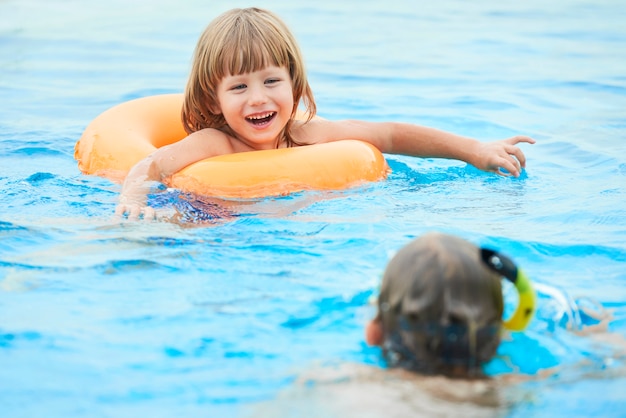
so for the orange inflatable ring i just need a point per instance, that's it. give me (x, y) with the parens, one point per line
(123, 135)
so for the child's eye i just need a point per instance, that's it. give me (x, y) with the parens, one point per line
(272, 80)
(238, 87)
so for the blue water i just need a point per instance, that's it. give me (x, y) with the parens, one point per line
(225, 305)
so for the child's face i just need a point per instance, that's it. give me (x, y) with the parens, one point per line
(257, 105)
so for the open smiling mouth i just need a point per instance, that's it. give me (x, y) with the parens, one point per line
(260, 120)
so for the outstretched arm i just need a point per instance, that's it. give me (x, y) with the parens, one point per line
(421, 141)
(429, 142)
(161, 164)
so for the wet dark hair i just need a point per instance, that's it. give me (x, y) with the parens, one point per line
(440, 307)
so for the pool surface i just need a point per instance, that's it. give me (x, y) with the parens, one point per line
(222, 307)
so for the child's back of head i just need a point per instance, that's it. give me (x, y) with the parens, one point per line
(440, 307)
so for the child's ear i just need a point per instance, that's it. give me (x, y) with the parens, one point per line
(215, 109)
(374, 333)
(214, 106)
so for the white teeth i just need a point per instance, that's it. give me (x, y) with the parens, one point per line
(266, 115)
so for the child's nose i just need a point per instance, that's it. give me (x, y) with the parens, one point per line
(257, 97)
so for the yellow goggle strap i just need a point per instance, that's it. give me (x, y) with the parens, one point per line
(526, 304)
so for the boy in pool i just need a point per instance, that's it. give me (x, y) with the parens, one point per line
(246, 83)
(439, 309)
(439, 320)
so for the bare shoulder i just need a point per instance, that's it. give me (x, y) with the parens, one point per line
(315, 131)
(320, 130)
(337, 391)
(197, 146)
(207, 143)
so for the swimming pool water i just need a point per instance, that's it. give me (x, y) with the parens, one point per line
(222, 309)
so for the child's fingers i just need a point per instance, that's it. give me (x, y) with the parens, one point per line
(518, 155)
(510, 164)
(520, 138)
(134, 212)
(149, 213)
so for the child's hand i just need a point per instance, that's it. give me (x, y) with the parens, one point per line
(502, 155)
(135, 211)
(133, 199)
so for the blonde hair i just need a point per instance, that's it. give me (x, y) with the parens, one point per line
(237, 42)
(440, 307)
